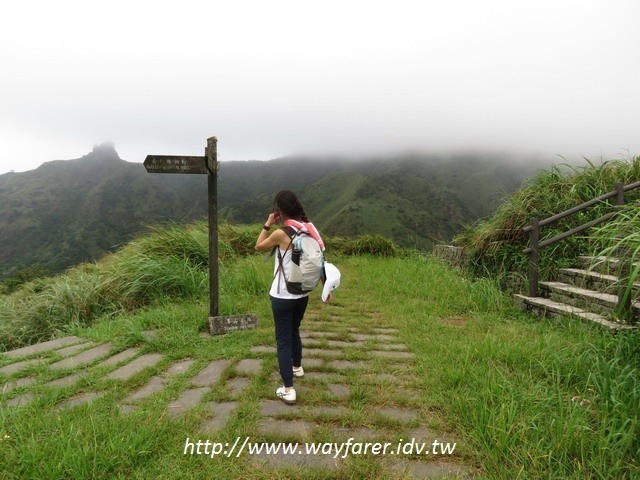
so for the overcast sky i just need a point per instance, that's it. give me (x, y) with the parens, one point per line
(274, 78)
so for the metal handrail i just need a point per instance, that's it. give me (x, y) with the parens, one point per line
(534, 229)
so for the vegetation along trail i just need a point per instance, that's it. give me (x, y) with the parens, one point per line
(410, 353)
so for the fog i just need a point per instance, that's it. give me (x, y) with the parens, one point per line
(271, 79)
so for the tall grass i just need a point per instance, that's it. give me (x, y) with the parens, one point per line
(621, 238)
(495, 245)
(167, 262)
(170, 261)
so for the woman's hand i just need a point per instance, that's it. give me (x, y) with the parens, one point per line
(273, 218)
(265, 241)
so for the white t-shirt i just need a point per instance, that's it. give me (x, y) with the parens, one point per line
(279, 278)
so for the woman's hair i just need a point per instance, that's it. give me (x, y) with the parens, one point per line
(289, 205)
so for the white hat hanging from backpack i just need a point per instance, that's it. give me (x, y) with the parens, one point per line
(332, 280)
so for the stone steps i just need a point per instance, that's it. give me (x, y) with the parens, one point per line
(547, 307)
(593, 280)
(588, 293)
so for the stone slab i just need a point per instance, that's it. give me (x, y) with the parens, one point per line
(361, 434)
(41, 347)
(21, 400)
(120, 357)
(347, 365)
(130, 369)
(376, 337)
(222, 325)
(312, 362)
(391, 354)
(434, 470)
(402, 415)
(390, 331)
(189, 399)
(64, 381)
(333, 412)
(338, 391)
(322, 352)
(289, 429)
(249, 366)
(328, 335)
(21, 382)
(211, 373)
(16, 367)
(319, 375)
(222, 412)
(393, 346)
(65, 352)
(237, 386)
(179, 368)
(303, 459)
(275, 408)
(263, 349)
(152, 386)
(83, 358)
(81, 400)
(343, 344)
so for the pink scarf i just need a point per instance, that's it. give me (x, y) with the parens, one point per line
(306, 228)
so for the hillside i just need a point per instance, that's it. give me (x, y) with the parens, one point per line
(494, 246)
(66, 212)
(408, 352)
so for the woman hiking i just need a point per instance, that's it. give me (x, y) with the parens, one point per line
(288, 308)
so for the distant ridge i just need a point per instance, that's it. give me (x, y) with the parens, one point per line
(69, 211)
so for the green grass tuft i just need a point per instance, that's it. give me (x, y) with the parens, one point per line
(495, 245)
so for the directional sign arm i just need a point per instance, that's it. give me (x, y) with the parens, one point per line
(175, 164)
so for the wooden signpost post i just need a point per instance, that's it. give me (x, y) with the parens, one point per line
(205, 165)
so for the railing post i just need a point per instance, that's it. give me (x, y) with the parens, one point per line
(623, 273)
(620, 193)
(624, 301)
(534, 238)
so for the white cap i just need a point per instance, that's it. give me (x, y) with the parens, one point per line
(332, 282)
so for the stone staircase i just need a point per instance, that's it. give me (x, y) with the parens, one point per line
(588, 293)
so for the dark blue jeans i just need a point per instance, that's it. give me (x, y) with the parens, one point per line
(287, 315)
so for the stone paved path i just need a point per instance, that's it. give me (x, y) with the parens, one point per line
(359, 383)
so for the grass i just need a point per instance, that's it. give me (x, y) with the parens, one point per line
(168, 262)
(620, 238)
(495, 245)
(524, 398)
(534, 399)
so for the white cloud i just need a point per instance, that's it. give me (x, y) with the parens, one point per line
(273, 78)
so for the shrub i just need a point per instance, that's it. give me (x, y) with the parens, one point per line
(376, 245)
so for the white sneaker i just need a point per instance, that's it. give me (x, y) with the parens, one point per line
(298, 372)
(287, 397)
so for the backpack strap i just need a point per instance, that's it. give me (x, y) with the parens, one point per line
(291, 233)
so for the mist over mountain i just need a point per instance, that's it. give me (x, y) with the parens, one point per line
(67, 212)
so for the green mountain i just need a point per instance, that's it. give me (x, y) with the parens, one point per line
(66, 212)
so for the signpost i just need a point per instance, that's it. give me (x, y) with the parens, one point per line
(205, 165)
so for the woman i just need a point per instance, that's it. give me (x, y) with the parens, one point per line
(288, 309)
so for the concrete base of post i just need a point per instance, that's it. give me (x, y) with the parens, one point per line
(231, 323)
